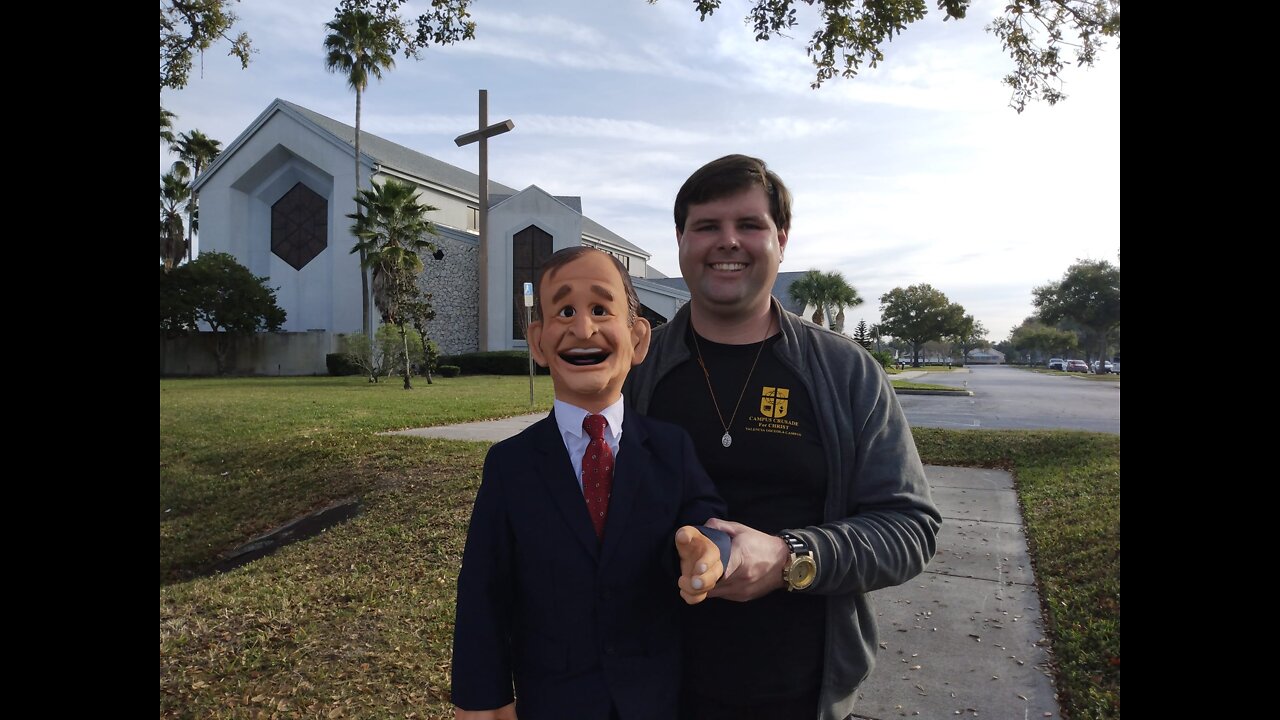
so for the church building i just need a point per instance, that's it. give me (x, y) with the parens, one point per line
(277, 199)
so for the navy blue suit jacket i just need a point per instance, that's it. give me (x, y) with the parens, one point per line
(579, 625)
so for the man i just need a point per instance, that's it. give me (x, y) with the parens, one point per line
(580, 544)
(805, 440)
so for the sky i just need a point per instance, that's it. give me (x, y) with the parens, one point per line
(914, 172)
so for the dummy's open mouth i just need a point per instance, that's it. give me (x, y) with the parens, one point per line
(584, 356)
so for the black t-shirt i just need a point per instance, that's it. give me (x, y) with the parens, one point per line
(773, 477)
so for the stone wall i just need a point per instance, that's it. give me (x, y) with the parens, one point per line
(455, 294)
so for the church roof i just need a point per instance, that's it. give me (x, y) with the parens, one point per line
(399, 157)
(394, 156)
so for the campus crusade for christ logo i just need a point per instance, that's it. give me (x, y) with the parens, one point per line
(773, 402)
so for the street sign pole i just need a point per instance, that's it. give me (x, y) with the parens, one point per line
(528, 314)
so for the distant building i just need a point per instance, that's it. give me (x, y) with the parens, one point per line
(987, 356)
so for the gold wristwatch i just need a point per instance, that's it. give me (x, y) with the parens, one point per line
(802, 568)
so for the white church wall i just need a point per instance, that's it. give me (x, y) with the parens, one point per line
(325, 293)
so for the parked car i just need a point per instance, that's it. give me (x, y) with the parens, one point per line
(1076, 366)
(1106, 366)
(1057, 364)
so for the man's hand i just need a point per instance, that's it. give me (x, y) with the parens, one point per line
(700, 565)
(755, 563)
(506, 712)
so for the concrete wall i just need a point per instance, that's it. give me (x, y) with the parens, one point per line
(281, 353)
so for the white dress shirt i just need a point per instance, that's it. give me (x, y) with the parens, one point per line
(569, 418)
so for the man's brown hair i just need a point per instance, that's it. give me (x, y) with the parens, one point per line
(731, 175)
(560, 258)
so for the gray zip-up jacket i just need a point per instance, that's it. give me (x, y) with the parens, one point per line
(880, 524)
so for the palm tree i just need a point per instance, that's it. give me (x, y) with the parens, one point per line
(166, 125)
(358, 46)
(198, 151)
(811, 289)
(391, 231)
(826, 291)
(840, 294)
(174, 196)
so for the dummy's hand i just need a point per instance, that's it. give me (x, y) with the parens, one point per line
(506, 712)
(700, 565)
(755, 563)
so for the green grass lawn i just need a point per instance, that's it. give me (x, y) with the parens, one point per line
(909, 385)
(239, 457)
(357, 621)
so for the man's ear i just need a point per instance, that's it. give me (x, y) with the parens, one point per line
(535, 343)
(640, 334)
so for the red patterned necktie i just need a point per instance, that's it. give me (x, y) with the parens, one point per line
(597, 472)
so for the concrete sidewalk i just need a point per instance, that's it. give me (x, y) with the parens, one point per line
(965, 638)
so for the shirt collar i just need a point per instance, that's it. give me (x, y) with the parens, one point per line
(570, 417)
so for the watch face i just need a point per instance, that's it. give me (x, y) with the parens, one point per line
(803, 571)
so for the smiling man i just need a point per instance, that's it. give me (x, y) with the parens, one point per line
(581, 542)
(805, 440)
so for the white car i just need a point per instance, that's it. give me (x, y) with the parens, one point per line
(1057, 364)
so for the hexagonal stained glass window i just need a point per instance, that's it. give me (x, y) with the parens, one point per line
(299, 226)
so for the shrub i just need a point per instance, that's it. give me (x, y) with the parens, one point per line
(386, 357)
(884, 357)
(497, 362)
(340, 364)
(449, 371)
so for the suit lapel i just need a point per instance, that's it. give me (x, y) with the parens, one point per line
(630, 471)
(556, 471)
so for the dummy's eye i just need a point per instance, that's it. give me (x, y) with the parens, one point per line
(567, 311)
(599, 310)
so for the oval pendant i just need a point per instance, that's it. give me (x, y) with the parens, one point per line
(726, 440)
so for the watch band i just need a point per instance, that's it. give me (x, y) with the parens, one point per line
(795, 545)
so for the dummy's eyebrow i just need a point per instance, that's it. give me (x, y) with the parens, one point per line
(565, 290)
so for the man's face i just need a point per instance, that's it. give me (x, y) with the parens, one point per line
(585, 336)
(730, 250)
